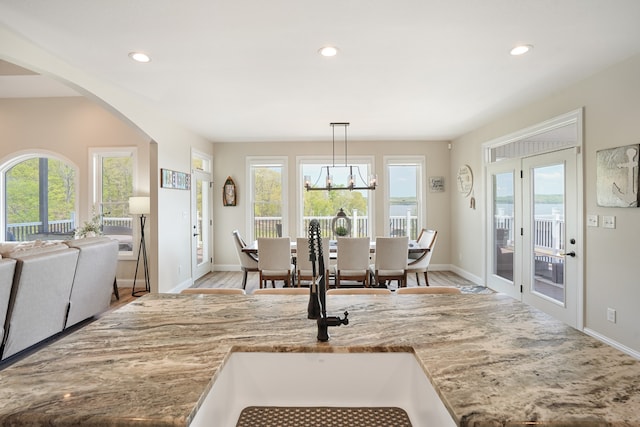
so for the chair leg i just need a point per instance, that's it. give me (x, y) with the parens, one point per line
(426, 278)
(244, 279)
(418, 279)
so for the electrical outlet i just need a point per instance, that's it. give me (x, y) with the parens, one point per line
(608, 221)
(592, 220)
(611, 315)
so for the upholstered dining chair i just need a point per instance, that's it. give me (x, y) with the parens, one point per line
(353, 260)
(281, 291)
(429, 290)
(421, 265)
(359, 291)
(214, 291)
(274, 260)
(391, 260)
(304, 269)
(248, 262)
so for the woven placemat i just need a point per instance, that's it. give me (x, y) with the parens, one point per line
(276, 416)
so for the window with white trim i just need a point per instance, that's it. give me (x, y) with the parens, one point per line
(324, 205)
(38, 198)
(405, 199)
(267, 210)
(113, 174)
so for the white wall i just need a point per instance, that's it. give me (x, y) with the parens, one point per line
(230, 160)
(611, 101)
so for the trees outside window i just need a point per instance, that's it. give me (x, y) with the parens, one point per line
(324, 205)
(113, 180)
(39, 198)
(268, 207)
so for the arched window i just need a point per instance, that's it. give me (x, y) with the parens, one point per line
(38, 197)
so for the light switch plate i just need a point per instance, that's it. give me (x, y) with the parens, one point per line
(608, 221)
(592, 220)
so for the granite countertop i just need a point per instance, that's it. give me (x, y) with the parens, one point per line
(494, 361)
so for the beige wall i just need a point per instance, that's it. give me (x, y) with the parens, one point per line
(611, 101)
(69, 127)
(230, 160)
(169, 239)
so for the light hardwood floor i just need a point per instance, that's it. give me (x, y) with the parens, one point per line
(233, 279)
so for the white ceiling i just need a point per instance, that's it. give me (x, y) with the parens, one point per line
(248, 70)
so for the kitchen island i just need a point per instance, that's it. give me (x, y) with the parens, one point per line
(492, 360)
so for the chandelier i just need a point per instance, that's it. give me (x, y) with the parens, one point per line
(355, 180)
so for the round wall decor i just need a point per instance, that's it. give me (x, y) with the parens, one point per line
(465, 180)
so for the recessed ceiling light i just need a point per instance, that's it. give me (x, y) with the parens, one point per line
(521, 50)
(139, 57)
(328, 51)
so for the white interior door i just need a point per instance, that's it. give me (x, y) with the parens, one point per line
(550, 258)
(201, 224)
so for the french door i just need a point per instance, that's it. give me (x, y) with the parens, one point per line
(201, 224)
(550, 213)
(533, 244)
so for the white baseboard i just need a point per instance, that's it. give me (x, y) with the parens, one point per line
(615, 344)
(463, 273)
(184, 285)
(226, 267)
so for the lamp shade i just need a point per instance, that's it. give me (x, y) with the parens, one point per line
(139, 205)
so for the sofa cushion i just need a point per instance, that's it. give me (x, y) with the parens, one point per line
(94, 277)
(39, 296)
(14, 250)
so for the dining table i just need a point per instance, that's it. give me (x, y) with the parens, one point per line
(413, 247)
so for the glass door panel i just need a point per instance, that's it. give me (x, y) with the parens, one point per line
(503, 225)
(547, 208)
(201, 224)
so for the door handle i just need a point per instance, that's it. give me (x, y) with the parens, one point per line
(572, 254)
(197, 234)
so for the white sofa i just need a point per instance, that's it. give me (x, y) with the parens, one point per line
(7, 268)
(55, 285)
(93, 280)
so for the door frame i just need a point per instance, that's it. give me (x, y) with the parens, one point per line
(576, 118)
(199, 270)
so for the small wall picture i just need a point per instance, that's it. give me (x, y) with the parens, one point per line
(175, 180)
(617, 176)
(436, 184)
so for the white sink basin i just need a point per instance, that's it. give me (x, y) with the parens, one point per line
(322, 379)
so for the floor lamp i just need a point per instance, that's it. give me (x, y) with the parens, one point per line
(141, 206)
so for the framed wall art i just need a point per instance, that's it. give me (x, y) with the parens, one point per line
(175, 180)
(436, 184)
(617, 177)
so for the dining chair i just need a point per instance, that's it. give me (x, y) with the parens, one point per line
(421, 265)
(248, 262)
(274, 260)
(391, 260)
(429, 290)
(353, 260)
(304, 270)
(215, 291)
(359, 291)
(281, 291)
